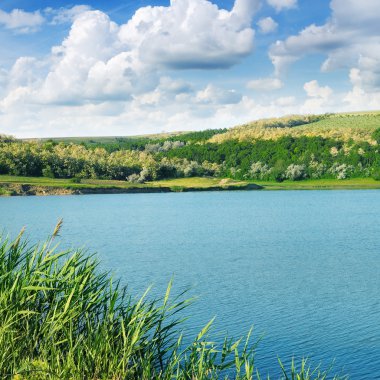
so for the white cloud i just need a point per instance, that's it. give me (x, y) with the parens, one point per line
(3, 78)
(21, 21)
(279, 5)
(314, 90)
(286, 101)
(267, 25)
(192, 34)
(318, 97)
(100, 60)
(65, 15)
(104, 75)
(349, 39)
(215, 95)
(265, 84)
(358, 99)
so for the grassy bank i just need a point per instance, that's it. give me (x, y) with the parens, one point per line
(11, 185)
(61, 317)
(322, 184)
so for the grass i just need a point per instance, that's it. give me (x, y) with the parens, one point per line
(66, 183)
(178, 184)
(322, 184)
(185, 184)
(61, 317)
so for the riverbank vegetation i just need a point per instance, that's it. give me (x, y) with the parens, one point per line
(13, 185)
(293, 148)
(61, 317)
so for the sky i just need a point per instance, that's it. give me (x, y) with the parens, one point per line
(118, 68)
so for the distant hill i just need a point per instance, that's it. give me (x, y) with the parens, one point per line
(356, 126)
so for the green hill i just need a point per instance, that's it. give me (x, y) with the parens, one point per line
(356, 126)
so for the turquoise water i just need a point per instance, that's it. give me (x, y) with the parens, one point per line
(303, 267)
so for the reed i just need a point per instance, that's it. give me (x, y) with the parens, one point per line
(61, 317)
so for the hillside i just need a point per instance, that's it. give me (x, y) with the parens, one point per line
(356, 126)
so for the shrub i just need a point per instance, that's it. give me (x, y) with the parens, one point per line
(376, 135)
(259, 170)
(341, 171)
(76, 180)
(295, 172)
(376, 174)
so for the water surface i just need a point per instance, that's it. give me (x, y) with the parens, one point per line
(303, 267)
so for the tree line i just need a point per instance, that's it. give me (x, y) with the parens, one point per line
(192, 154)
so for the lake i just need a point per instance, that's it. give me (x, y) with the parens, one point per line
(303, 267)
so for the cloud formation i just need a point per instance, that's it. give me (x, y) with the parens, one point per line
(280, 5)
(265, 84)
(191, 34)
(21, 21)
(318, 97)
(100, 60)
(350, 38)
(267, 25)
(65, 15)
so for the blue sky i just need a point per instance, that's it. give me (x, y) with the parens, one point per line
(132, 67)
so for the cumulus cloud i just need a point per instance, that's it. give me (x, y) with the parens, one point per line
(192, 34)
(267, 25)
(102, 61)
(279, 5)
(358, 99)
(65, 15)
(104, 74)
(318, 97)
(215, 95)
(314, 90)
(265, 84)
(349, 39)
(21, 21)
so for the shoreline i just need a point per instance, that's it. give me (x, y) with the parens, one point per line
(12, 190)
(27, 189)
(40, 186)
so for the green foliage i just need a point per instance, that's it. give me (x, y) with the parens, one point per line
(376, 174)
(76, 180)
(4, 192)
(294, 148)
(376, 135)
(61, 317)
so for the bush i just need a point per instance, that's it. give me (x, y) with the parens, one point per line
(376, 174)
(295, 172)
(76, 180)
(48, 172)
(376, 135)
(62, 318)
